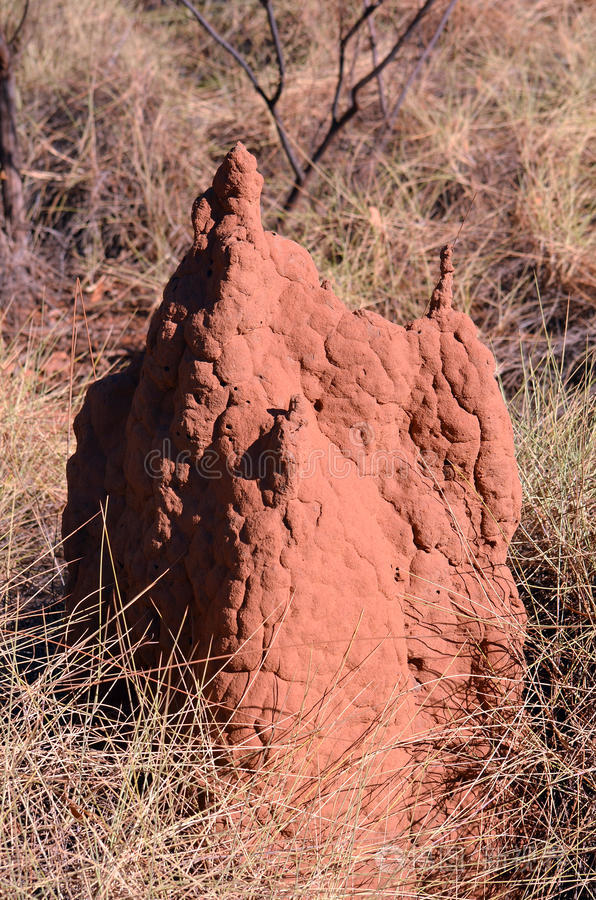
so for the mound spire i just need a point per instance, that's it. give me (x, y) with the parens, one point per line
(442, 296)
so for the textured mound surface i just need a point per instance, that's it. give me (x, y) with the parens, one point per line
(317, 500)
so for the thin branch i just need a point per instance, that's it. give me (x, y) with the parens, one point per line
(19, 27)
(411, 79)
(353, 109)
(217, 37)
(278, 49)
(13, 202)
(292, 158)
(343, 43)
(361, 20)
(355, 56)
(242, 62)
(375, 58)
(337, 123)
(416, 70)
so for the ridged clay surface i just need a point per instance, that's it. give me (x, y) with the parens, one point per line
(317, 500)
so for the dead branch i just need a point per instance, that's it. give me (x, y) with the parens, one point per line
(13, 41)
(417, 68)
(336, 120)
(270, 101)
(343, 44)
(278, 50)
(372, 32)
(13, 202)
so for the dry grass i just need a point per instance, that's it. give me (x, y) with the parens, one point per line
(33, 446)
(124, 110)
(554, 563)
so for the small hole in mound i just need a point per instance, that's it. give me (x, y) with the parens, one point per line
(318, 405)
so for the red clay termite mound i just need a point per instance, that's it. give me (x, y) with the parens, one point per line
(319, 502)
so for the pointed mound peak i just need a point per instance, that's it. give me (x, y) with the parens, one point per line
(236, 193)
(442, 295)
(237, 178)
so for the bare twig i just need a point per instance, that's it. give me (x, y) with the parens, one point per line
(12, 188)
(217, 37)
(278, 50)
(270, 102)
(375, 58)
(18, 29)
(416, 70)
(383, 140)
(355, 56)
(338, 122)
(353, 108)
(343, 43)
